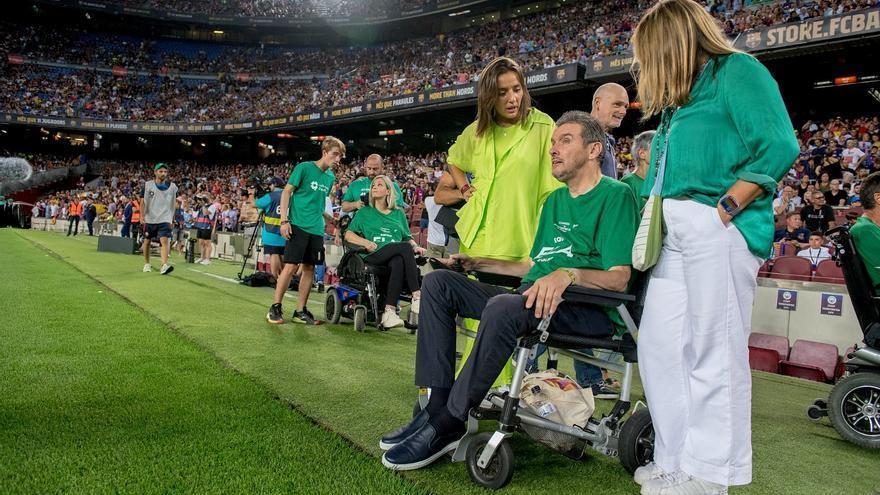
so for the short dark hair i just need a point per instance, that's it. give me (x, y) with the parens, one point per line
(817, 233)
(591, 129)
(792, 214)
(870, 187)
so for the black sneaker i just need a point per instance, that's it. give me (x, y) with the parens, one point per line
(305, 317)
(276, 314)
(395, 437)
(320, 287)
(602, 391)
(422, 448)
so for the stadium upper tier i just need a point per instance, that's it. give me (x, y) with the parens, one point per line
(296, 9)
(75, 74)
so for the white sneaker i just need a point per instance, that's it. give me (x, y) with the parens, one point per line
(646, 473)
(681, 483)
(147, 268)
(390, 319)
(414, 307)
(166, 269)
(205, 262)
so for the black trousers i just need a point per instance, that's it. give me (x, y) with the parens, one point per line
(89, 222)
(503, 318)
(71, 219)
(401, 260)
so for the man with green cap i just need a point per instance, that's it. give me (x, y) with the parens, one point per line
(158, 202)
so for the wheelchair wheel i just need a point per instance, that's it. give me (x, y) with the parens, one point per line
(854, 409)
(332, 306)
(636, 441)
(360, 318)
(500, 469)
(817, 410)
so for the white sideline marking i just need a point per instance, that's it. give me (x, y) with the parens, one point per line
(234, 281)
(214, 276)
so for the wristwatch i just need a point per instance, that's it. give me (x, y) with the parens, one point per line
(571, 275)
(730, 205)
(465, 188)
(285, 222)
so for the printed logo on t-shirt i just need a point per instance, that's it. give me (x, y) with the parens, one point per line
(565, 226)
(316, 186)
(547, 253)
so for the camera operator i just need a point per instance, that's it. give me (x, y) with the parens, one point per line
(270, 204)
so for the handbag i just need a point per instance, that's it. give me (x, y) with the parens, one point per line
(649, 236)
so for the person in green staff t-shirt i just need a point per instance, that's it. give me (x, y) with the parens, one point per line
(584, 237)
(302, 226)
(866, 231)
(381, 228)
(641, 155)
(360, 188)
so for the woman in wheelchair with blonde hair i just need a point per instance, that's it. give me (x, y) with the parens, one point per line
(382, 230)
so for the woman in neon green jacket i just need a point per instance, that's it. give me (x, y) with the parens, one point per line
(507, 150)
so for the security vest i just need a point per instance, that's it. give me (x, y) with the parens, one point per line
(75, 209)
(272, 214)
(135, 211)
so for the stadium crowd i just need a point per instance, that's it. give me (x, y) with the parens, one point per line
(296, 9)
(835, 155)
(222, 185)
(579, 32)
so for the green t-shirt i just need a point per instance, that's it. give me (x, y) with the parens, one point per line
(592, 231)
(866, 236)
(635, 183)
(309, 199)
(362, 186)
(381, 228)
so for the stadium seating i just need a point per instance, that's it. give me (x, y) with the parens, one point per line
(828, 272)
(776, 343)
(792, 268)
(763, 359)
(809, 360)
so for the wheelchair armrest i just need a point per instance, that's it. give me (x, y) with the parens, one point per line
(353, 248)
(582, 295)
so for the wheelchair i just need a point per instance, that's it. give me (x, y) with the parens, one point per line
(359, 295)
(854, 403)
(489, 456)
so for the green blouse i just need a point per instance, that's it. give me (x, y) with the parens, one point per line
(735, 127)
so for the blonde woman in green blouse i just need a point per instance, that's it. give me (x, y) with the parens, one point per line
(724, 141)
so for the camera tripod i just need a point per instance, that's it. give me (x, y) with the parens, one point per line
(258, 228)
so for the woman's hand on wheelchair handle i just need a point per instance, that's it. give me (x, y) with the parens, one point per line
(419, 251)
(546, 293)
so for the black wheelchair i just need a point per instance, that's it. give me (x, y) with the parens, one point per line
(854, 403)
(360, 293)
(489, 456)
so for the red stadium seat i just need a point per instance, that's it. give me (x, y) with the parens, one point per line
(811, 360)
(776, 343)
(792, 268)
(763, 359)
(764, 271)
(827, 271)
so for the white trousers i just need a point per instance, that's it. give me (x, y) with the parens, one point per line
(693, 346)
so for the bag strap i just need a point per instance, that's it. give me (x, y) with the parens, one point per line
(657, 190)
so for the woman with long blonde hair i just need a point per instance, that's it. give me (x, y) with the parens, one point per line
(724, 141)
(382, 230)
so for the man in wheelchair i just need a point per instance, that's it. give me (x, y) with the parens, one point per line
(381, 229)
(866, 231)
(571, 247)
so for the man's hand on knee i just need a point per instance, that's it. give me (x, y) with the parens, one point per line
(546, 293)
